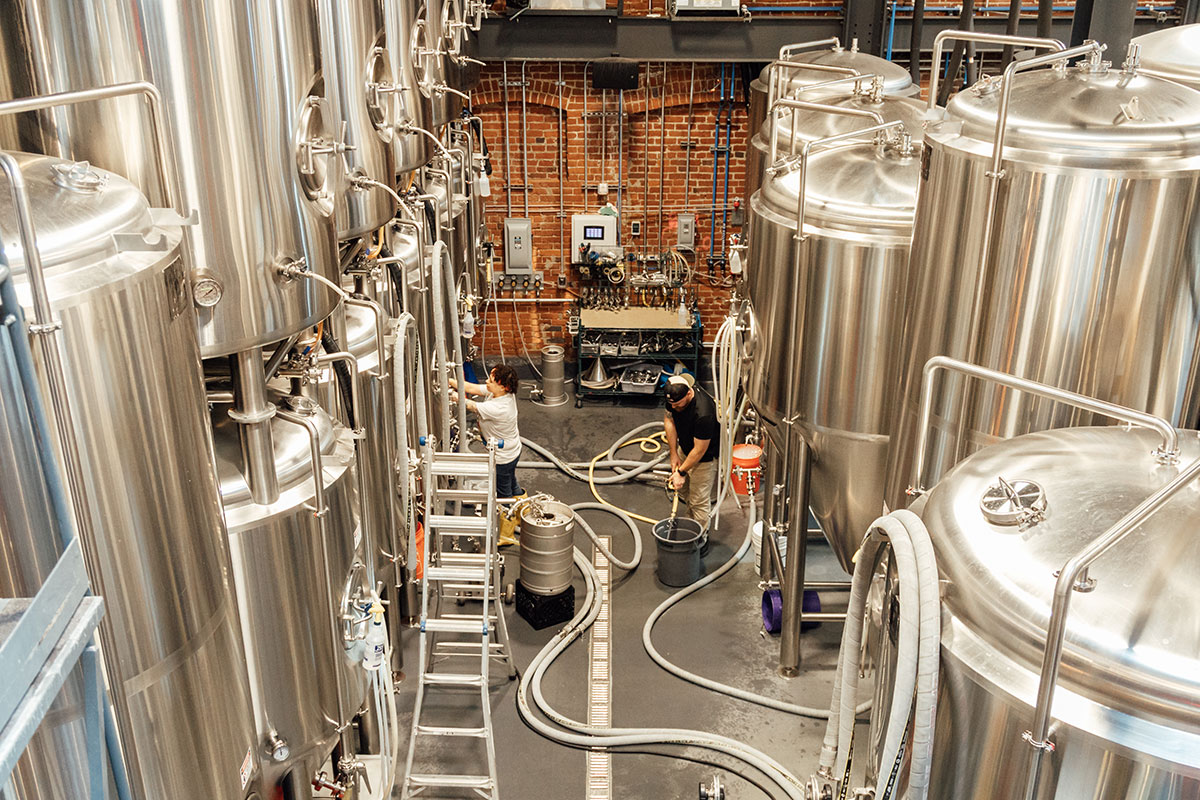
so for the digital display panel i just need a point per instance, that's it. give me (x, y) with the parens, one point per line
(593, 232)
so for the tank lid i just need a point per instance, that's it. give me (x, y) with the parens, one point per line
(1173, 53)
(812, 125)
(1133, 641)
(896, 79)
(292, 455)
(82, 214)
(856, 185)
(1088, 111)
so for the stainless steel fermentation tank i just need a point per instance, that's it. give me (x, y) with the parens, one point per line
(1172, 53)
(1081, 273)
(256, 142)
(410, 48)
(825, 316)
(154, 537)
(296, 571)
(801, 66)
(1125, 722)
(359, 85)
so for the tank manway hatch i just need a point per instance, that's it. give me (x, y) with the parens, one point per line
(1017, 502)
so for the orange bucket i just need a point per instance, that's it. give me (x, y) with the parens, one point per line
(746, 459)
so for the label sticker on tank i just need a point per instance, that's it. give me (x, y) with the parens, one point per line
(247, 768)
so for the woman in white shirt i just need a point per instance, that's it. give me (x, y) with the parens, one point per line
(498, 420)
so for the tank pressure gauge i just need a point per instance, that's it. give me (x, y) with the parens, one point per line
(1017, 502)
(206, 292)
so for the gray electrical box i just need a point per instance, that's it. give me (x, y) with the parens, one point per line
(687, 231)
(518, 246)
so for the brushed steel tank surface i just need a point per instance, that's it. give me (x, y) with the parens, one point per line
(254, 139)
(52, 46)
(1172, 53)
(301, 676)
(173, 654)
(442, 18)
(1092, 282)
(547, 542)
(1125, 719)
(825, 329)
(359, 85)
(408, 39)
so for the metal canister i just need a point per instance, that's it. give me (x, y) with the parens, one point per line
(547, 545)
(1091, 281)
(553, 393)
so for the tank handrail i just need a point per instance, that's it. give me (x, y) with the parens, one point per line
(1166, 453)
(1073, 576)
(401, 222)
(166, 160)
(984, 38)
(782, 65)
(799, 47)
(328, 359)
(791, 102)
(380, 350)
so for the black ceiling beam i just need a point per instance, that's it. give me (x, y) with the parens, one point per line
(586, 37)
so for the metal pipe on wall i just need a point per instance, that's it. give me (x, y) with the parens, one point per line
(914, 42)
(645, 158)
(620, 158)
(524, 141)
(507, 150)
(728, 147)
(562, 213)
(662, 151)
(687, 159)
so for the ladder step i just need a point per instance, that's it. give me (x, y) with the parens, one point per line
(460, 574)
(451, 781)
(434, 730)
(476, 625)
(452, 679)
(464, 495)
(454, 469)
(449, 522)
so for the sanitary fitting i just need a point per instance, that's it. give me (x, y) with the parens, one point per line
(321, 782)
(714, 790)
(277, 747)
(291, 270)
(1133, 57)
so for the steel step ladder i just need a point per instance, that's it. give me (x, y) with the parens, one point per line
(462, 640)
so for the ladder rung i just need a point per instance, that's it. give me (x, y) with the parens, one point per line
(491, 617)
(460, 574)
(461, 468)
(457, 781)
(434, 730)
(452, 679)
(442, 647)
(464, 495)
(440, 522)
(448, 557)
(476, 625)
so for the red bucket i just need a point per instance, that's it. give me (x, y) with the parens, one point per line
(746, 459)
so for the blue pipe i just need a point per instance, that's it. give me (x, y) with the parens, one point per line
(712, 211)
(891, 31)
(728, 147)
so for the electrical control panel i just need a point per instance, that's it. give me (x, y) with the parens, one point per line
(518, 246)
(687, 231)
(594, 239)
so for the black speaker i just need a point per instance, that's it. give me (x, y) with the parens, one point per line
(615, 73)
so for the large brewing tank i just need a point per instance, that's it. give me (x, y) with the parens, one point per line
(830, 63)
(1125, 718)
(547, 544)
(1092, 280)
(825, 321)
(444, 21)
(255, 141)
(36, 59)
(409, 46)
(792, 128)
(157, 552)
(294, 571)
(1172, 53)
(359, 85)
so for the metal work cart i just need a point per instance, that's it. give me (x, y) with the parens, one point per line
(633, 336)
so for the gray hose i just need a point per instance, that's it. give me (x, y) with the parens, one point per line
(630, 565)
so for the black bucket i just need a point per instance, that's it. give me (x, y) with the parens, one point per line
(678, 540)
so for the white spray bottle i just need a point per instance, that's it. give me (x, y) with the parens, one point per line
(376, 640)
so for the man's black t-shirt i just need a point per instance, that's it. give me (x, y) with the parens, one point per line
(697, 420)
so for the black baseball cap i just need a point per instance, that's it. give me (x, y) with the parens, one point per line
(677, 387)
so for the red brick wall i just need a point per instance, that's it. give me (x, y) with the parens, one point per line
(648, 148)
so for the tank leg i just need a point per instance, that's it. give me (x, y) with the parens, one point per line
(799, 463)
(295, 786)
(368, 732)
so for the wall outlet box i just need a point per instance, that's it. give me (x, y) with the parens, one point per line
(518, 246)
(635, 228)
(687, 231)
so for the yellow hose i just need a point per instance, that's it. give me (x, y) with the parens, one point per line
(647, 444)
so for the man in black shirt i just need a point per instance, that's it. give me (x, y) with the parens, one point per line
(693, 437)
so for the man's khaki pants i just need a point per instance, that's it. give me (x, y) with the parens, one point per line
(697, 491)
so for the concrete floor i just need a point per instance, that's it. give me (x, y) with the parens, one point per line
(716, 632)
